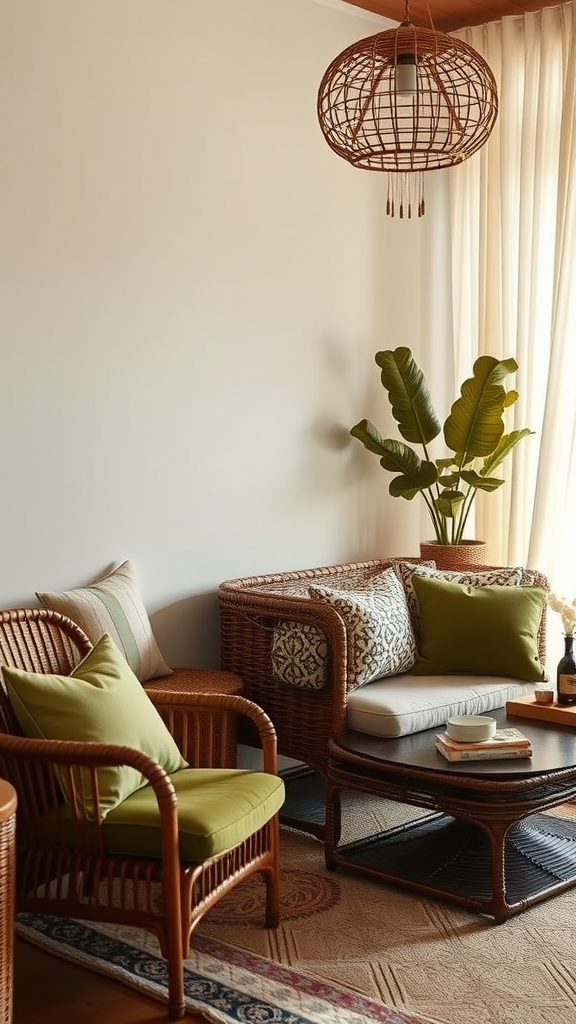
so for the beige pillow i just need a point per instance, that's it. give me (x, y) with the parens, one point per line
(113, 605)
(101, 701)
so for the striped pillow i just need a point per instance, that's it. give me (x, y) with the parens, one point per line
(113, 605)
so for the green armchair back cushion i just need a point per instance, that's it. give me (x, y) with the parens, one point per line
(101, 701)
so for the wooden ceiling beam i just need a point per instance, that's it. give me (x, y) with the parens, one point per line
(450, 15)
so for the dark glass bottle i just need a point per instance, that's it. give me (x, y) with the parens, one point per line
(566, 674)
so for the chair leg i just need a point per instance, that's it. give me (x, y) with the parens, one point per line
(272, 878)
(176, 1005)
(272, 914)
(333, 831)
(174, 941)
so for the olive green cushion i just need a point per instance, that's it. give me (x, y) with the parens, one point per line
(479, 630)
(102, 701)
(217, 809)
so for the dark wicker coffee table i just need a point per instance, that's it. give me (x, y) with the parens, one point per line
(486, 843)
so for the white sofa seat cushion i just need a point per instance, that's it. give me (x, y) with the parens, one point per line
(404, 704)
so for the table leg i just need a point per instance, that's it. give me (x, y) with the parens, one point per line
(497, 835)
(333, 826)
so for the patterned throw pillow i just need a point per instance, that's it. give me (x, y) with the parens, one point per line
(504, 576)
(379, 632)
(113, 605)
(300, 655)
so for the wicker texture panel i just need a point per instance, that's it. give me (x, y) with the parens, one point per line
(7, 897)
(249, 609)
(216, 731)
(468, 555)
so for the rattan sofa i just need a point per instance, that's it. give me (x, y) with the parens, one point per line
(251, 607)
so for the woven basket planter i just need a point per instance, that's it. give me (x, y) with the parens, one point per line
(468, 555)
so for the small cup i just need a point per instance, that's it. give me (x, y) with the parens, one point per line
(470, 728)
(544, 693)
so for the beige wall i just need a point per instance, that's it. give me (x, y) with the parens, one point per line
(192, 289)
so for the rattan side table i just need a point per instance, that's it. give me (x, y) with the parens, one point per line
(7, 897)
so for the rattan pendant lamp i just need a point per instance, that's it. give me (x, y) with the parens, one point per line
(406, 101)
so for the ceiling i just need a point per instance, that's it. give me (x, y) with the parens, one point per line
(449, 15)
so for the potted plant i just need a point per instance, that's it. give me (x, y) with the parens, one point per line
(474, 433)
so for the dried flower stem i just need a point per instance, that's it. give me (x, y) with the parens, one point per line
(566, 610)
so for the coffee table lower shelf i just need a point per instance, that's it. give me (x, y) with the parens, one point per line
(447, 857)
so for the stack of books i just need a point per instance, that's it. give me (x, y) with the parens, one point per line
(504, 743)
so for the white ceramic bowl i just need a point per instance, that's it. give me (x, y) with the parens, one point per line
(470, 728)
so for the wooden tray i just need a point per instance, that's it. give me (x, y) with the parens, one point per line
(527, 707)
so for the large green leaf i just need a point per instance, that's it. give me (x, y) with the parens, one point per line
(369, 435)
(506, 444)
(475, 424)
(416, 475)
(408, 395)
(449, 479)
(449, 503)
(481, 483)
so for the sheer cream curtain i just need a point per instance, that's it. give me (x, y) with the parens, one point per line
(513, 214)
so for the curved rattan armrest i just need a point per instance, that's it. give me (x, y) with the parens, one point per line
(294, 581)
(43, 770)
(80, 753)
(265, 610)
(194, 704)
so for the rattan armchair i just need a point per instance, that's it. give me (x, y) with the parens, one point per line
(305, 719)
(62, 864)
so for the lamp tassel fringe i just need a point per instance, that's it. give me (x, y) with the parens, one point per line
(405, 193)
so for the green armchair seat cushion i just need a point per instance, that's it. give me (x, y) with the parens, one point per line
(217, 809)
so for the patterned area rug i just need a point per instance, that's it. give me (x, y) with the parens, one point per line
(223, 984)
(349, 950)
(430, 958)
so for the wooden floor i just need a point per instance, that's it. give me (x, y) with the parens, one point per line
(49, 990)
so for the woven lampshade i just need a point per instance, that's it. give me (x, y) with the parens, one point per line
(406, 101)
